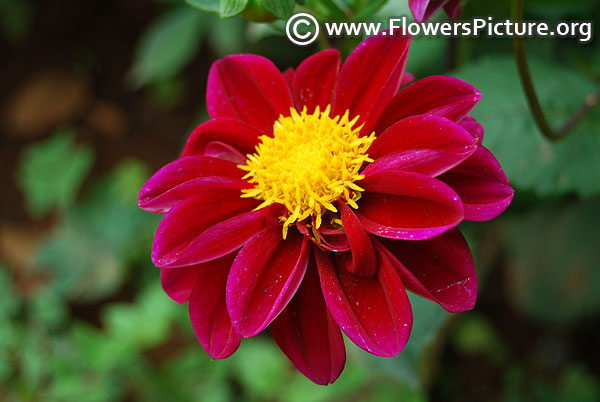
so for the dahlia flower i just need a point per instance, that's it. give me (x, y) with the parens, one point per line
(422, 10)
(313, 199)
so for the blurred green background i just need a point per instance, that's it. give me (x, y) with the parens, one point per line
(98, 95)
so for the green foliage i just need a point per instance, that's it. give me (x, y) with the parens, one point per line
(9, 305)
(51, 172)
(230, 8)
(575, 384)
(281, 8)
(531, 161)
(168, 45)
(205, 5)
(554, 269)
(226, 36)
(89, 251)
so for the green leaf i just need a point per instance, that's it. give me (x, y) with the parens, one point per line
(89, 250)
(261, 368)
(168, 45)
(212, 6)
(369, 10)
(50, 173)
(227, 36)
(80, 266)
(9, 305)
(144, 324)
(554, 270)
(230, 8)
(281, 8)
(49, 309)
(530, 161)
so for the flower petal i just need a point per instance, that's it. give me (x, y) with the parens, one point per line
(370, 77)
(473, 127)
(314, 80)
(422, 10)
(164, 189)
(229, 131)
(440, 269)
(440, 96)
(179, 282)
(453, 8)
(308, 335)
(482, 186)
(362, 259)
(407, 78)
(264, 277)
(425, 161)
(408, 206)
(163, 202)
(205, 227)
(288, 76)
(419, 10)
(423, 132)
(249, 88)
(334, 241)
(220, 150)
(373, 312)
(208, 311)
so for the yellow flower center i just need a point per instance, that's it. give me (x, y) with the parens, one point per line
(310, 162)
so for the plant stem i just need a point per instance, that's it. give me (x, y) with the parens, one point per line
(534, 104)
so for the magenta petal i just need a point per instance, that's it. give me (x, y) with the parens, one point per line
(453, 8)
(373, 312)
(163, 202)
(249, 88)
(229, 131)
(203, 228)
(439, 96)
(418, 8)
(179, 282)
(208, 311)
(362, 259)
(218, 149)
(370, 77)
(422, 10)
(308, 335)
(440, 269)
(288, 76)
(161, 191)
(473, 127)
(314, 80)
(482, 186)
(407, 78)
(425, 161)
(264, 277)
(336, 242)
(408, 206)
(423, 132)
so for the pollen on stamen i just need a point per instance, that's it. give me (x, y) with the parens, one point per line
(310, 162)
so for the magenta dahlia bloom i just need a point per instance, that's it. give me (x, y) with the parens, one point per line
(314, 199)
(422, 10)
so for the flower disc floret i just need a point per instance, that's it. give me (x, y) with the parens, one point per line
(310, 162)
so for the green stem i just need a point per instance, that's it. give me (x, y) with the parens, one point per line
(534, 104)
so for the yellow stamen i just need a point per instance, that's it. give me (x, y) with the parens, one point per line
(310, 162)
